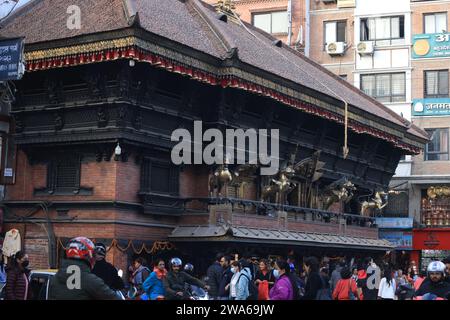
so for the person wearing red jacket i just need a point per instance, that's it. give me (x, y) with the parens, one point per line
(346, 288)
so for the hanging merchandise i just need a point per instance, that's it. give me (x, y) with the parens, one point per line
(12, 243)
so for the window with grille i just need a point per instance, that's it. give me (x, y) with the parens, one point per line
(385, 87)
(436, 84)
(63, 174)
(271, 22)
(437, 148)
(435, 22)
(159, 177)
(397, 206)
(383, 30)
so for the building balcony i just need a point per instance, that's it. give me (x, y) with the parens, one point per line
(257, 214)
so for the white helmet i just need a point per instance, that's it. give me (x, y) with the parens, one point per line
(436, 266)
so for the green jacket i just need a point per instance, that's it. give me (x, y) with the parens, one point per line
(91, 287)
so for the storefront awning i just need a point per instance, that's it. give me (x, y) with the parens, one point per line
(269, 236)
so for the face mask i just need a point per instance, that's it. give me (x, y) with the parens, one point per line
(26, 263)
(233, 270)
(276, 273)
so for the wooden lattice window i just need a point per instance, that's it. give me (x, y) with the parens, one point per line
(159, 177)
(64, 174)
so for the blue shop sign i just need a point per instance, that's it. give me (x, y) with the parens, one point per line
(11, 59)
(432, 45)
(400, 239)
(394, 223)
(431, 107)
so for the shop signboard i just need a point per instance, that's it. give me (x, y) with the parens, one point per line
(431, 239)
(394, 223)
(11, 59)
(431, 107)
(402, 240)
(431, 45)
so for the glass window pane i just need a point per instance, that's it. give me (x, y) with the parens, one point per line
(398, 84)
(433, 145)
(429, 23)
(372, 34)
(262, 21)
(341, 31)
(330, 32)
(443, 82)
(368, 85)
(364, 30)
(279, 22)
(383, 28)
(441, 22)
(443, 138)
(431, 83)
(395, 27)
(383, 85)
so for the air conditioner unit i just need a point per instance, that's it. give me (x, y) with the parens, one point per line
(365, 48)
(336, 48)
(328, 1)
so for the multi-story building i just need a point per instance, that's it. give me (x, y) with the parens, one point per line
(93, 124)
(397, 52)
(429, 182)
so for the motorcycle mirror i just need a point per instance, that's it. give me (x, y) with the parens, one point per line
(120, 273)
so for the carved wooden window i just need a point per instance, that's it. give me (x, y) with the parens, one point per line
(63, 174)
(159, 177)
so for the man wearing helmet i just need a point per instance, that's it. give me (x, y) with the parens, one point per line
(176, 281)
(435, 283)
(74, 280)
(105, 270)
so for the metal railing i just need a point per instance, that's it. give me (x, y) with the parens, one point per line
(178, 205)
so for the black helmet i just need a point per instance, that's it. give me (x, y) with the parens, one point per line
(100, 249)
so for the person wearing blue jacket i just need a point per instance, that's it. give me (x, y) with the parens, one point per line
(153, 285)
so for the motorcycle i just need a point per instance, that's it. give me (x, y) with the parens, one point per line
(196, 293)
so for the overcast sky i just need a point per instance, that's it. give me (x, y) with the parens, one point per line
(6, 5)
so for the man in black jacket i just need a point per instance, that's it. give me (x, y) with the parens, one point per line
(214, 274)
(176, 281)
(106, 271)
(435, 283)
(227, 274)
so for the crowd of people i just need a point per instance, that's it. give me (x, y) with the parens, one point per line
(229, 277)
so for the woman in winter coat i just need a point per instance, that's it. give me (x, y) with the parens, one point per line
(346, 288)
(154, 285)
(17, 281)
(284, 285)
(239, 282)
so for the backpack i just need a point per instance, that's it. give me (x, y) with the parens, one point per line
(252, 289)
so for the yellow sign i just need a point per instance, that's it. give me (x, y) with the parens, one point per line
(346, 3)
(421, 47)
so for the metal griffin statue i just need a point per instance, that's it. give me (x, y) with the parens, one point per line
(279, 187)
(378, 202)
(341, 190)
